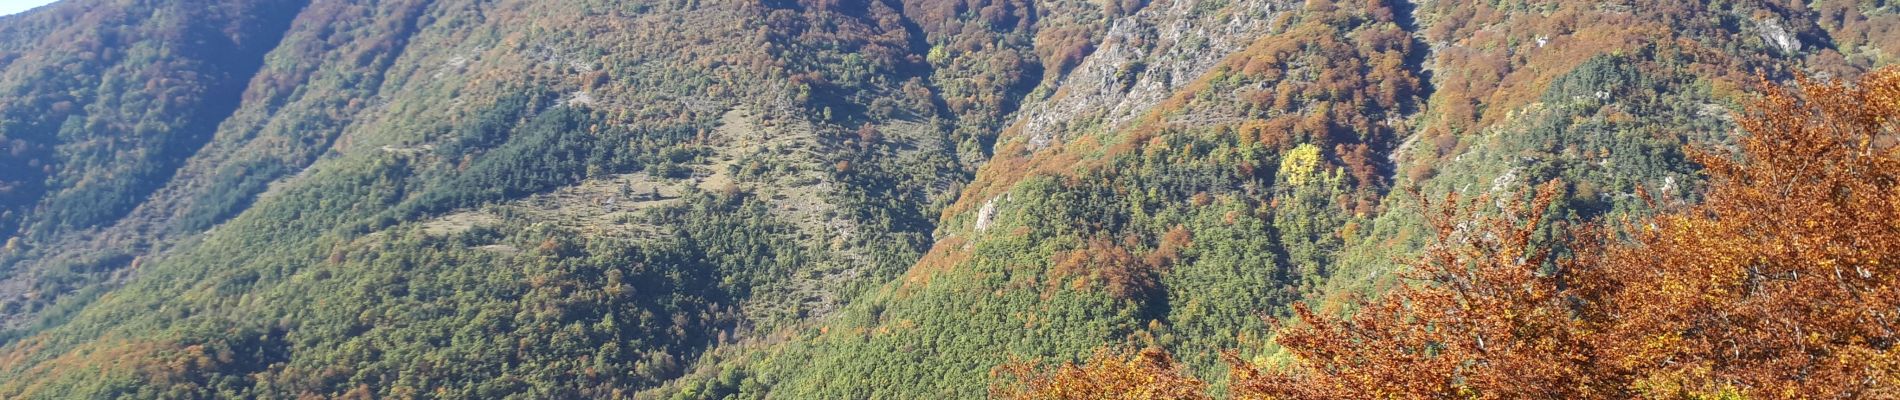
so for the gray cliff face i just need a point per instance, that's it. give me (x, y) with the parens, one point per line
(1142, 60)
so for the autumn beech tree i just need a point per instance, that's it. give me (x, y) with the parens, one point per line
(1782, 283)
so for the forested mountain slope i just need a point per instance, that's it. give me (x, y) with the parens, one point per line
(794, 199)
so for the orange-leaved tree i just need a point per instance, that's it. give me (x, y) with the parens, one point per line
(1782, 283)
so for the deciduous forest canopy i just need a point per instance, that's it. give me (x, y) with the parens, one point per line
(694, 199)
(1775, 285)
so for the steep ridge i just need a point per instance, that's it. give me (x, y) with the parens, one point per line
(809, 199)
(99, 104)
(88, 144)
(275, 131)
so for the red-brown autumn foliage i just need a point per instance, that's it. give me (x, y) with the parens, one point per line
(1143, 375)
(1781, 284)
(1108, 265)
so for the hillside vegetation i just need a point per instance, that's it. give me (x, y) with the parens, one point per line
(1775, 286)
(859, 198)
